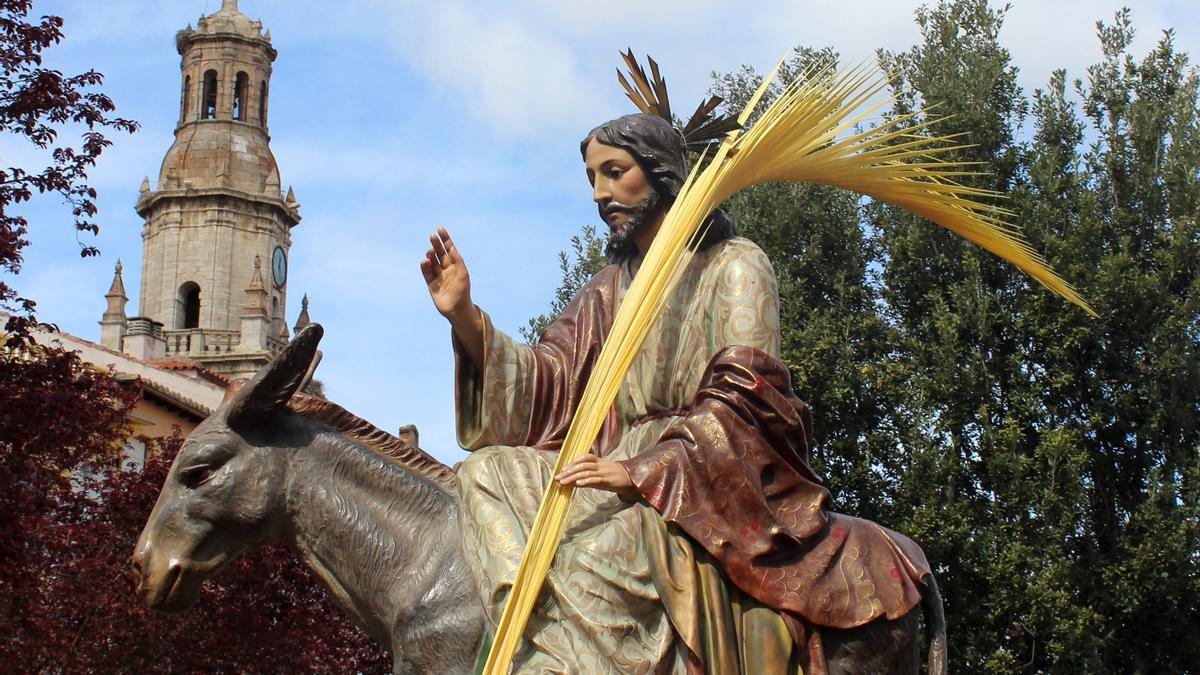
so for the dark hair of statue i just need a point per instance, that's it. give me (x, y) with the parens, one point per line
(658, 149)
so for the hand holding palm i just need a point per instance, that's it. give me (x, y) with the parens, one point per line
(591, 471)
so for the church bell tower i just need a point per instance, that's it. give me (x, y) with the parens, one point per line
(217, 228)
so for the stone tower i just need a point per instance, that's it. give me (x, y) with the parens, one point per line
(218, 216)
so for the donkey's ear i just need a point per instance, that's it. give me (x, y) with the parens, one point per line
(271, 389)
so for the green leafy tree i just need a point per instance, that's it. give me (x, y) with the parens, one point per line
(1056, 486)
(973, 469)
(1048, 463)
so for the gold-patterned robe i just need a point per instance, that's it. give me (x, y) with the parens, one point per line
(711, 435)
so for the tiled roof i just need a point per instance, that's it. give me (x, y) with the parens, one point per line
(195, 408)
(188, 364)
(175, 364)
(180, 382)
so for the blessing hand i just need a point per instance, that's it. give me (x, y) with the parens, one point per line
(591, 471)
(450, 287)
(446, 275)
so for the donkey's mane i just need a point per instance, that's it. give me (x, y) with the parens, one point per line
(345, 422)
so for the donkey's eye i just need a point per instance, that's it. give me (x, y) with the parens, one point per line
(196, 476)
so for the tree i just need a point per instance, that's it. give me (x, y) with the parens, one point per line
(58, 417)
(1046, 461)
(37, 103)
(1059, 482)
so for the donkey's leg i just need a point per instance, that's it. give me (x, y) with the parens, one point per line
(449, 647)
(441, 634)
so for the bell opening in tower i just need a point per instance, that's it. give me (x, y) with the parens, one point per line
(187, 96)
(262, 103)
(239, 96)
(189, 299)
(210, 94)
(276, 316)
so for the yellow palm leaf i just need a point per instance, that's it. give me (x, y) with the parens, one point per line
(797, 138)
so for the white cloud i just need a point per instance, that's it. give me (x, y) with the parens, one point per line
(388, 165)
(517, 78)
(604, 22)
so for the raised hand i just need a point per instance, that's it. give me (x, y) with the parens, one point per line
(446, 275)
(450, 287)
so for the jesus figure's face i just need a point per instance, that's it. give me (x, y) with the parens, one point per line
(624, 196)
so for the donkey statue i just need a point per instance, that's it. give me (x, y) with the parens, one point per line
(377, 520)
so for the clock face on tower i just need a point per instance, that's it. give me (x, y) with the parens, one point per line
(279, 267)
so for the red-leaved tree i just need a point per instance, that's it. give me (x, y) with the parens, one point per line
(60, 421)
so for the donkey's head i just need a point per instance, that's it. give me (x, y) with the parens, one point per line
(224, 493)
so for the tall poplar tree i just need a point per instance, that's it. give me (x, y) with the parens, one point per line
(1059, 487)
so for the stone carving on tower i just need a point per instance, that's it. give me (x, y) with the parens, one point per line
(217, 212)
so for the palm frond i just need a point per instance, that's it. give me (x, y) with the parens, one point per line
(805, 135)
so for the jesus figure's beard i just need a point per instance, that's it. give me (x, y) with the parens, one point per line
(621, 238)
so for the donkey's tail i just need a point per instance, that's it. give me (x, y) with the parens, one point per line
(935, 626)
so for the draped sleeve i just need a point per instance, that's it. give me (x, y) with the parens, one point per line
(526, 395)
(734, 472)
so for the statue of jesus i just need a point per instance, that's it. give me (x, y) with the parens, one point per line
(700, 540)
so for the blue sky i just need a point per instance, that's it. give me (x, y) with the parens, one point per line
(392, 118)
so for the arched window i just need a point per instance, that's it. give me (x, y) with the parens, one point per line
(187, 95)
(210, 95)
(189, 300)
(240, 87)
(262, 103)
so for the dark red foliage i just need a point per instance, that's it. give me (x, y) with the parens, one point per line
(69, 519)
(58, 418)
(36, 103)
